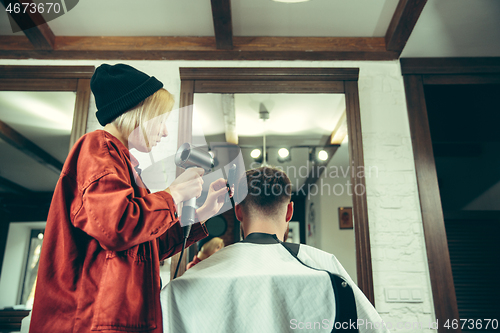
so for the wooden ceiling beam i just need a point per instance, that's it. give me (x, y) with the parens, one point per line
(202, 48)
(23, 144)
(32, 24)
(11, 186)
(223, 27)
(403, 21)
(340, 132)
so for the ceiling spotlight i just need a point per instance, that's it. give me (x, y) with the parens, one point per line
(322, 155)
(255, 153)
(284, 155)
(283, 152)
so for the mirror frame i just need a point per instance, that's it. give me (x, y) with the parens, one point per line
(297, 81)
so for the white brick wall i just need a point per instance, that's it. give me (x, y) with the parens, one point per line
(397, 242)
(396, 234)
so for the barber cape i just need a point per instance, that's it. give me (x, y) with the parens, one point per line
(258, 285)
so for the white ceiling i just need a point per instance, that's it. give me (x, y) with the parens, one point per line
(45, 118)
(289, 114)
(317, 18)
(337, 18)
(131, 18)
(5, 28)
(294, 120)
(456, 28)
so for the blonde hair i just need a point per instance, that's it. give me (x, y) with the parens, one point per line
(209, 247)
(159, 103)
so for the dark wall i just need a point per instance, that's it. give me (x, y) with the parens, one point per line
(465, 130)
(20, 208)
(4, 229)
(464, 121)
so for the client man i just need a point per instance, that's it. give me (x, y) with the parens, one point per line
(262, 284)
(209, 248)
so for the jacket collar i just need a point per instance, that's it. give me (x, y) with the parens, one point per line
(133, 161)
(261, 238)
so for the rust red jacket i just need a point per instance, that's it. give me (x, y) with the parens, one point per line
(105, 236)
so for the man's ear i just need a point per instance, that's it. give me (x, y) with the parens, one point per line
(289, 211)
(238, 212)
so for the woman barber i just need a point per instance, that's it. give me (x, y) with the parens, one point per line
(105, 233)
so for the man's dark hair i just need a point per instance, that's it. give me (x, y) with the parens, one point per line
(268, 187)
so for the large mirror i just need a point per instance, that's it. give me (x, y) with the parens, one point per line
(43, 111)
(41, 122)
(314, 115)
(297, 130)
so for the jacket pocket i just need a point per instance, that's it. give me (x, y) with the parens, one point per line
(125, 300)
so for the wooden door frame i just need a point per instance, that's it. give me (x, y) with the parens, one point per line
(417, 73)
(292, 80)
(49, 78)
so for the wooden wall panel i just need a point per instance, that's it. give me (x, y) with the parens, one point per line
(81, 113)
(360, 209)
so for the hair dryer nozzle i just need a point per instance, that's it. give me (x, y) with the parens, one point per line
(188, 156)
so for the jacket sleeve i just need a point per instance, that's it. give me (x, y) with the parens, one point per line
(118, 220)
(172, 240)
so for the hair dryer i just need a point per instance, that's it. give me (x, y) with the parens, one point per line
(187, 157)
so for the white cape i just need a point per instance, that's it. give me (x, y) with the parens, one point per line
(249, 287)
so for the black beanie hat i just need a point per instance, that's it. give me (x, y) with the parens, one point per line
(119, 88)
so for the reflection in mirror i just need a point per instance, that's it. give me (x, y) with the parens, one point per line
(29, 283)
(45, 119)
(306, 136)
(35, 130)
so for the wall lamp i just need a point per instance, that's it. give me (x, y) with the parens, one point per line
(316, 153)
(319, 156)
(257, 156)
(284, 155)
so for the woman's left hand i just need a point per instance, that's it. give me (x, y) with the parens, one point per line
(215, 200)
